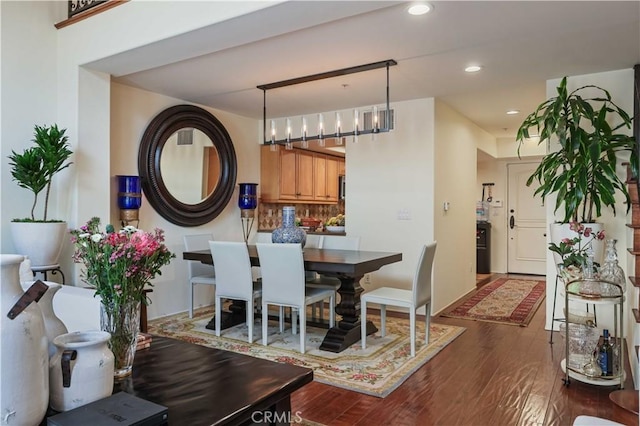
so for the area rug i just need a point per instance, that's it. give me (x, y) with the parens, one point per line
(505, 300)
(377, 370)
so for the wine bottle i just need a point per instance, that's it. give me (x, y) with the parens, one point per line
(605, 358)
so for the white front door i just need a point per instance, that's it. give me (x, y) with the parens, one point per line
(526, 223)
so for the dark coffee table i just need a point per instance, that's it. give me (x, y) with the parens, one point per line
(205, 386)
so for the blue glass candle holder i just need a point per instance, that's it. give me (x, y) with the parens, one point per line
(129, 197)
(248, 199)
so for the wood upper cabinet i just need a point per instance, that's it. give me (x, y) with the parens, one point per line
(298, 176)
(341, 167)
(326, 178)
(286, 175)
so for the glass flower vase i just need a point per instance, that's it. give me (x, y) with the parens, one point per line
(122, 321)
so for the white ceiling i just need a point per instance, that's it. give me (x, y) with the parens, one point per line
(520, 45)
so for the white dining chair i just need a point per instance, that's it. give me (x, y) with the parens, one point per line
(199, 273)
(262, 237)
(313, 241)
(283, 286)
(418, 296)
(234, 279)
(331, 242)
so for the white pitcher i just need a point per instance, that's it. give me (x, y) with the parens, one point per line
(81, 371)
(53, 326)
(24, 376)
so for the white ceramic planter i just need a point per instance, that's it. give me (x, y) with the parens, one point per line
(24, 377)
(40, 241)
(81, 371)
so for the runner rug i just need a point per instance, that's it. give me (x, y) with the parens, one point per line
(505, 300)
(377, 370)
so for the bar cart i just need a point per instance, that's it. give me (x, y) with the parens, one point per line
(581, 337)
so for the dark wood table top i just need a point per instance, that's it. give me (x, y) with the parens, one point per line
(348, 262)
(206, 386)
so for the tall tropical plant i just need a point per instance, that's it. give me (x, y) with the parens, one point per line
(582, 172)
(35, 167)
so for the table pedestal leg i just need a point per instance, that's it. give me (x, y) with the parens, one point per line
(237, 314)
(347, 331)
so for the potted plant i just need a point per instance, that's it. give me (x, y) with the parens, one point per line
(40, 238)
(581, 172)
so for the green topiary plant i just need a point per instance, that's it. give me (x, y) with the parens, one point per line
(582, 172)
(35, 167)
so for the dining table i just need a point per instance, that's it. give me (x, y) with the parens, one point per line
(349, 266)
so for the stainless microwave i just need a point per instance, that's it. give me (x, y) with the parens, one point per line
(341, 187)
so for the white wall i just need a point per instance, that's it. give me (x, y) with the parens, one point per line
(131, 111)
(391, 173)
(28, 97)
(455, 159)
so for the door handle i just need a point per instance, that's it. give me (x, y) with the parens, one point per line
(512, 222)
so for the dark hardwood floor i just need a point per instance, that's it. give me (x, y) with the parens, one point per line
(492, 374)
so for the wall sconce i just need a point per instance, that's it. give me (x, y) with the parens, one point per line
(247, 201)
(305, 137)
(129, 198)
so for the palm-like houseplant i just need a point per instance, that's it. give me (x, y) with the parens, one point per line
(589, 129)
(582, 171)
(34, 170)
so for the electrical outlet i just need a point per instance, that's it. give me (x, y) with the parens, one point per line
(367, 279)
(404, 214)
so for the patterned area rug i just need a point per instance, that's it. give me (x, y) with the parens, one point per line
(505, 300)
(377, 370)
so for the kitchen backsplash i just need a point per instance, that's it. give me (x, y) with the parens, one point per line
(316, 211)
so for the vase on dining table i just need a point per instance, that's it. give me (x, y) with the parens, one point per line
(288, 232)
(122, 320)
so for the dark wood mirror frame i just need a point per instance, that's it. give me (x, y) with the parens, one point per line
(156, 135)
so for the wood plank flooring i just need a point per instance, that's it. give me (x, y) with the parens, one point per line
(492, 374)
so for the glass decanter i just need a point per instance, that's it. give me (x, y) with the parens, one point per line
(611, 270)
(589, 287)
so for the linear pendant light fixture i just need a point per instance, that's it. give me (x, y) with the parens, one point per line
(305, 137)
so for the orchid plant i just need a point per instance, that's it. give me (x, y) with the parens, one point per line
(575, 251)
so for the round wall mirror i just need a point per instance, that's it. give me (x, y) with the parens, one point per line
(188, 165)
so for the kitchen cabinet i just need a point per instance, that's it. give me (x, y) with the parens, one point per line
(298, 176)
(341, 167)
(325, 178)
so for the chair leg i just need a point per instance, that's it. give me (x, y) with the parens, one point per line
(303, 329)
(383, 320)
(265, 325)
(294, 321)
(281, 315)
(427, 309)
(250, 320)
(412, 331)
(363, 323)
(218, 304)
(191, 300)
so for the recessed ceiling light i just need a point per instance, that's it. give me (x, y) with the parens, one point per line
(513, 112)
(419, 8)
(473, 68)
